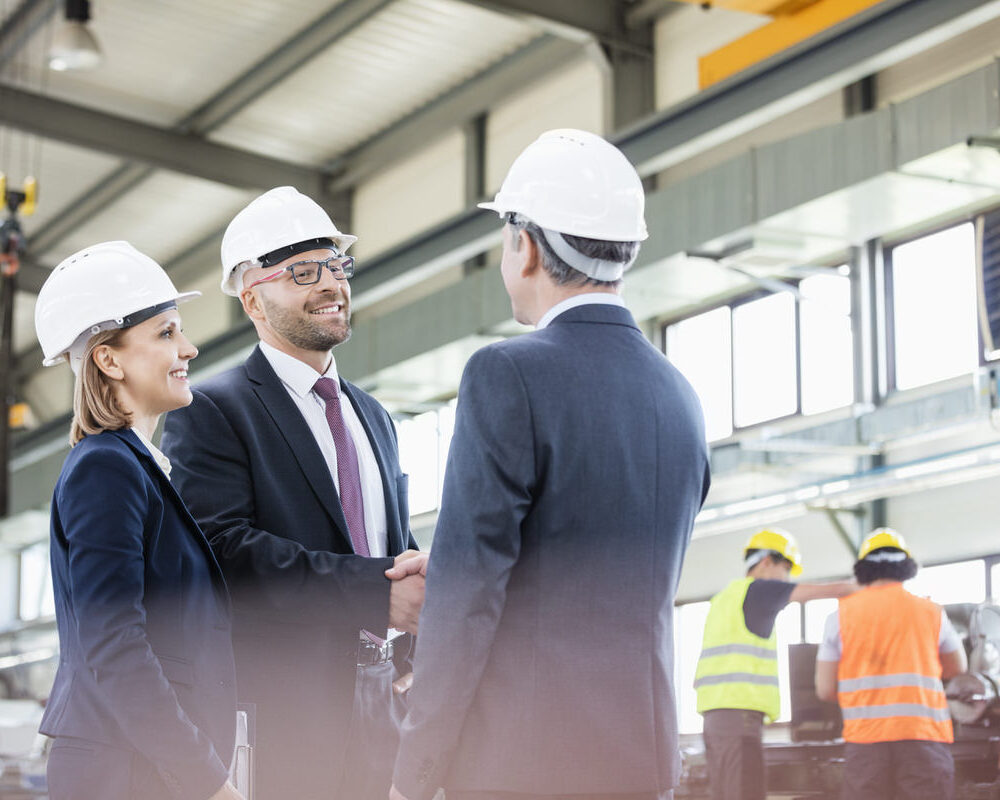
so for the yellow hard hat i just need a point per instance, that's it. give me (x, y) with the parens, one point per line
(779, 541)
(882, 537)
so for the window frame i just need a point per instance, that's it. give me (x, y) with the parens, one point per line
(888, 246)
(743, 298)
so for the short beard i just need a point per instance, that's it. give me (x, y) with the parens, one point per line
(303, 333)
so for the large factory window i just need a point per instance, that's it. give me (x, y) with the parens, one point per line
(764, 359)
(36, 598)
(768, 357)
(423, 451)
(816, 612)
(827, 357)
(689, 625)
(934, 307)
(701, 348)
(961, 582)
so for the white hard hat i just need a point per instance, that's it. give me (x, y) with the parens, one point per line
(279, 218)
(105, 286)
(575, 182)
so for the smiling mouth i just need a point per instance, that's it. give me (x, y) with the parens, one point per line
(336, 308)
(180, 374)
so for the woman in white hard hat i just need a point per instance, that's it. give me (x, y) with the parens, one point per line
(143, 704)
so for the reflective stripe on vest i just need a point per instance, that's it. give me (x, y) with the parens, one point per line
(889, 677)
(739, 649)
(736, 668)
(736, 677)
(897, 710)
(889, 681)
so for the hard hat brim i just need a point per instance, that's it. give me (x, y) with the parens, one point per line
(60, 357)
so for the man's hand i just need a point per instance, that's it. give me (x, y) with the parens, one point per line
(406, 598)
(395, 794)
(409, 562)
(227, 792)
(402, 685)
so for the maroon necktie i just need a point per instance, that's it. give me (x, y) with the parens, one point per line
(348, 472)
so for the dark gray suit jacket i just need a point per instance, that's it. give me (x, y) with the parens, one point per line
(545, 658)
(250, 470)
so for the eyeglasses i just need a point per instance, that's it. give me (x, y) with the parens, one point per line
(306, 273)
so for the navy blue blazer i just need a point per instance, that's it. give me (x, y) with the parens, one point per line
(545, 658)
(145, 660)
(250, 470)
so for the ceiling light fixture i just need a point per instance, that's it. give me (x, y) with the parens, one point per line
(73, 45)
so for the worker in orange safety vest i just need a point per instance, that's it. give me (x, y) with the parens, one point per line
(884, 657)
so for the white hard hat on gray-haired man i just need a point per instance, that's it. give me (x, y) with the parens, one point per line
(576, 469)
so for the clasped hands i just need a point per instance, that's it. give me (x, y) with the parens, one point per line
(406, 593)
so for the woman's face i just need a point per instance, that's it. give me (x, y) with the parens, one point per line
(154, 357)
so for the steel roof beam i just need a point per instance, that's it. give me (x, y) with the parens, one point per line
(603, 20)
(22, 24)
(454, 108)
(286, 57)
(139, 141)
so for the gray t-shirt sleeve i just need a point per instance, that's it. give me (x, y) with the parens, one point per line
(830, 648)
(948, 640)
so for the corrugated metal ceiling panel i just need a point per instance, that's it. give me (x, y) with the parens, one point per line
(399, 60)
(162, 217)
(163, 58)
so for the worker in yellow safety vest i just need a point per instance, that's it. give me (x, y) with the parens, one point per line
(737, 675)
(884, 657)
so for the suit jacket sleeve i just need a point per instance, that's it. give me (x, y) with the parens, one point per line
(103, 507)
(212, 473)
(489, 482)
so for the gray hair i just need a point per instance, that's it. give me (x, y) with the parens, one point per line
(561, 272)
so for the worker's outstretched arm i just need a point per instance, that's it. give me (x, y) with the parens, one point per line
(804, 592)
(826, 680)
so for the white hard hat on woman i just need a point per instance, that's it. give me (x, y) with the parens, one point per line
(102, 287)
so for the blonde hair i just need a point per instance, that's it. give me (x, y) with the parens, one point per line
(95, 406)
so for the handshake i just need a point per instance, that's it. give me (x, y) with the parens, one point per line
(406, 594)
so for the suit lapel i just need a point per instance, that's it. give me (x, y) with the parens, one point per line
(290, 424)
(395, 536)
(168, 490)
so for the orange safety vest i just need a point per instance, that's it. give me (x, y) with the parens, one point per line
(889, 678)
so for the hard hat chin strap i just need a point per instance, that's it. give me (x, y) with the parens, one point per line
(78, 349)
(754, 559)
(596, 268)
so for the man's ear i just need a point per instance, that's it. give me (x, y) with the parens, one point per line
(107, 362)
(531, 257)
(252, 305)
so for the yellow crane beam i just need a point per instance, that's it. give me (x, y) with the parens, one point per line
(793, 21)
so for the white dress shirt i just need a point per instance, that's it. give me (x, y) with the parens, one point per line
(299, 379)
(586, 299)
(161, 460)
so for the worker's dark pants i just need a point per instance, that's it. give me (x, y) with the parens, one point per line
(735, 754)
(907, 770)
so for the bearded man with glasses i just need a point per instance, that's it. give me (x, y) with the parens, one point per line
(293, 474)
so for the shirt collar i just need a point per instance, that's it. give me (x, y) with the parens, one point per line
(586, 299)
(161, 460)
(298, 376)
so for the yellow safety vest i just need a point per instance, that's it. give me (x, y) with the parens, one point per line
(737, 669)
